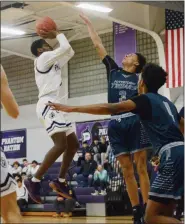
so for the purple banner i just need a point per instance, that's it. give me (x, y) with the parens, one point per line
(13, 143)
(124, 42)
(88, 131)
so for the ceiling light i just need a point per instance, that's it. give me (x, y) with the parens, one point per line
(11, 31)
(94, 7)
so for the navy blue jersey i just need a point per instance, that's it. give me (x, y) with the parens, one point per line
(122, 85)
(160, 119)
(181, 113)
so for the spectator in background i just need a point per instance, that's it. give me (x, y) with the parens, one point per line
(85, 176)
(103, 149)
(181, 113)
(95, 150)
(24, 176)
(17, 169)
(64, 206)
(109, 160)
(22, 195)
(26, 166)
(100, 180)
(34, 168)
(65, 203)
(17, 176)
(85, 148)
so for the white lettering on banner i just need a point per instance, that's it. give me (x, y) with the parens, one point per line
(9, 148)
(123, 85)
(15, 140)
(86, 136)
(102, 131)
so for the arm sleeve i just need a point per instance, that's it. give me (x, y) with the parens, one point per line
(143, 107)
(110, 64)
(104, 175)
(95, 176)
(177, 114)
(94, 166)
(62, 54)
(181, 113)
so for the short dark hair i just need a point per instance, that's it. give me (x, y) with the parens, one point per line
(34, 161)
(19, 180)
(154, 77)
(25, 160)
(23, 173)
(141, 61)
(16, 175)
(16, 163)
(35, 45)
(88, 153)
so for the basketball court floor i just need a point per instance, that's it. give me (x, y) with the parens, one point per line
(80, 220)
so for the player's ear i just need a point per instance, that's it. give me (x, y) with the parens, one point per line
(136, 63)
(40, 50)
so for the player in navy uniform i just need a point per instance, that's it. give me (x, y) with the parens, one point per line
(125, 132)
(165, 127)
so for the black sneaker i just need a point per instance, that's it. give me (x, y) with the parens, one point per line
(33, 190)
(60, 187)
(138, 220)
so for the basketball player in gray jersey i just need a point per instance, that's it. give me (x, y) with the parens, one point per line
(9, 209)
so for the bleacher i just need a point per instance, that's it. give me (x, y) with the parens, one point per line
(83, 195)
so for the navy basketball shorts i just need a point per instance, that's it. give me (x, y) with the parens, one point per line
(127, 135)
(169, 182)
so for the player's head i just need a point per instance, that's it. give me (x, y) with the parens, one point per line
(40, 46)
(136, 61)
(152, 78)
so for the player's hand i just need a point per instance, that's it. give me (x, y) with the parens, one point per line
(61, 107)
(85, 19)
(48, 34)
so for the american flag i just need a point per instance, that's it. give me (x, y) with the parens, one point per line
(174, 48)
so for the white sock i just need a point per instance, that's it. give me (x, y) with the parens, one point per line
(62, 180)
(35, 179)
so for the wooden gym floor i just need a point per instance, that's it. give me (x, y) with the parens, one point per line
(79, 220)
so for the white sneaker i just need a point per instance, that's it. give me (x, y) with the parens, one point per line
(103, 192)
(95, 193)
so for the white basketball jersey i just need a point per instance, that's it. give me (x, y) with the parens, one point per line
(48, 68)
(4, 167)
(49, 83)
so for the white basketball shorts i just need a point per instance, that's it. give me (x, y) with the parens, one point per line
(53, 121)
(8, 184)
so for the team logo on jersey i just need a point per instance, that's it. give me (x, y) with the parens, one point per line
(57, 68)
(123, 95)
(52, 115)
(3, 162)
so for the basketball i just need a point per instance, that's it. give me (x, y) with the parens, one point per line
(45, 23)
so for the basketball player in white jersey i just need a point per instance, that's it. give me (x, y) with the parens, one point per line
(9, 209)
(47, 66)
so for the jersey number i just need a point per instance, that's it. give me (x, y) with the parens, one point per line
(169, 110)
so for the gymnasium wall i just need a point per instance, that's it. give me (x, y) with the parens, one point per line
(84, 78)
